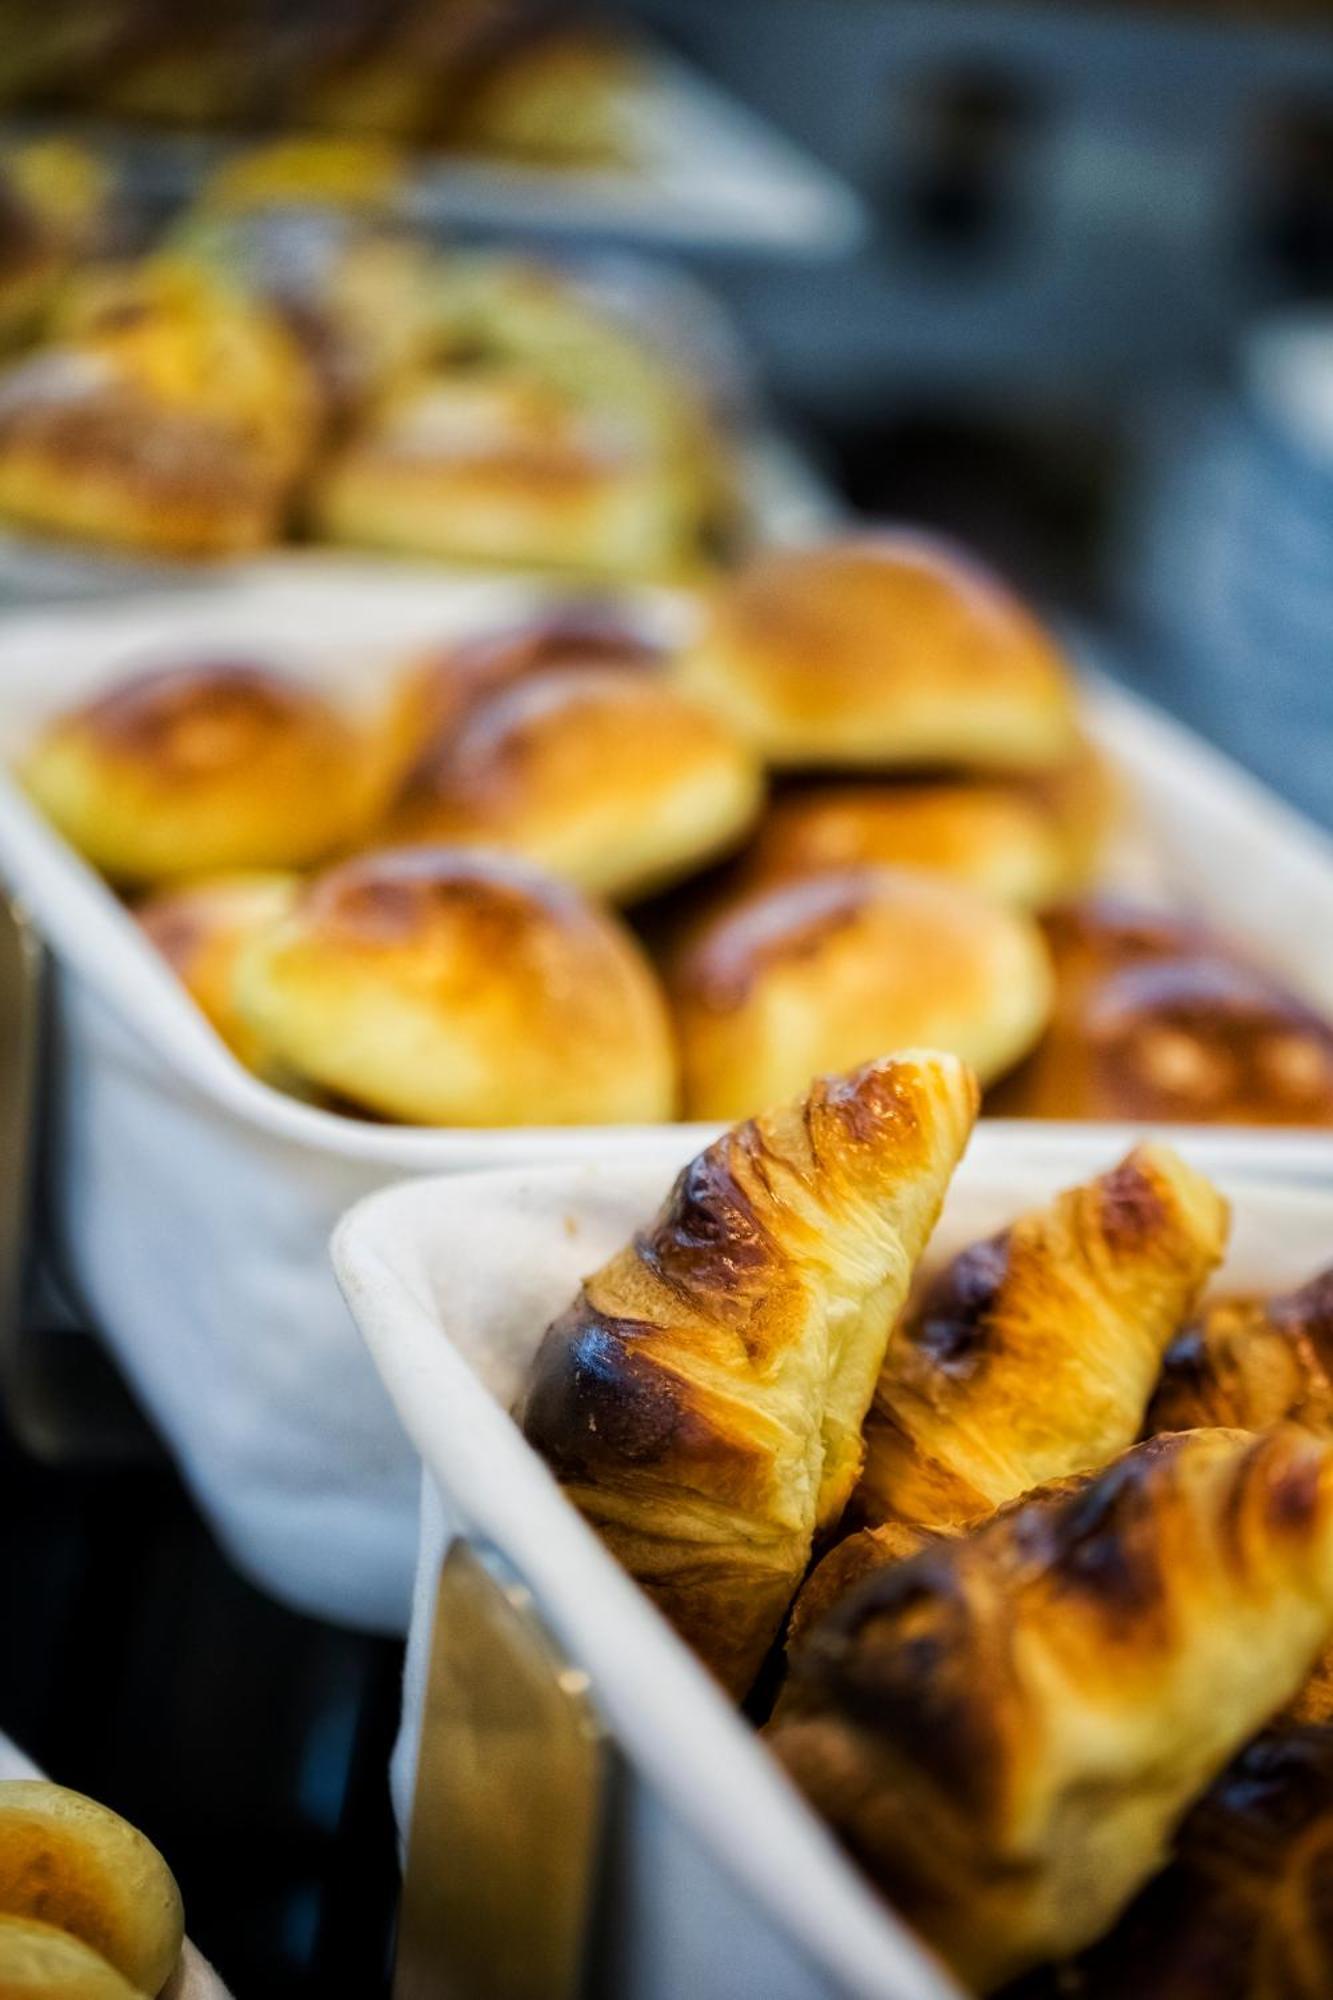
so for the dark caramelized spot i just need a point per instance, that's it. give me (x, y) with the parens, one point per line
(1292, 1493)
(1307, 1314)
(397, 897)
(778, 926)
(1133, 1211)
(1102, 1540)
(592, 1395)
(952, 1329)
(709, 1238)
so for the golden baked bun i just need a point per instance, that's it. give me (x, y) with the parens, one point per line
(1017, 842)
(880, 651)
(826, 972)
(174, 419)
(440, 683)
(1007, 1728)
(39, 1962)
(444, 987)
(498, 465)
(563, 97)
(202, 929)
(74, 1864)
(202, 769)
(1033, 1354)
(610, 779)
(701, 1401)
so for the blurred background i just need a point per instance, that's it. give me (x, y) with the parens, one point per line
(1057, 278)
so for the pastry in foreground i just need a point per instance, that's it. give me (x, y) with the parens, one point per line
(1155, 1020)
(39, 1962)
(1007, 1728)
(884, 650)
(202, 929)
(1242, 1911)
(201, 769)
(176, 428)
(1033, 1354)
(444, 986)
(1252, 1362)
(701, 1401)
(611, 779)
(71, 1863)
(823, 973)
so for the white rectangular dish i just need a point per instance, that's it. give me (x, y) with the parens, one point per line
(193, 1203)
(727, 1886)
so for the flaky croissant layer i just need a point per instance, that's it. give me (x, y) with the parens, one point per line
(1006, 1728)
(702, 1400)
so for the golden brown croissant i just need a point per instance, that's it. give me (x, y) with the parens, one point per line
(1006, 1729)
(1034, 1354)
(1243, 1912)
(702, 1399)
(1252, 1363)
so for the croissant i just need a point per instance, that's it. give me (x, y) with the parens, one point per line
(1242, 1912)
(1252, 1363)
(1034, 1353)
(702, 1399)
(1006, 1729)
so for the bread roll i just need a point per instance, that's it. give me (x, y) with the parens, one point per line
(450, 988)
(38, 1962)
(1034, 1354)
(883, 651)
(74, 1864)
(701, 1401)
(176, 425)
(826, 972)
(609, 779)
(200, 769)
(1007, 1728)
(202, 930)
(1003, 838)
(438, 686)
(500, 466)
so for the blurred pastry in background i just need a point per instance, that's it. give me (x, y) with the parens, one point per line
(1030, 842)
(556, 91)
(201, 931)
(499, 466)
(175, 419)
(443, 987)
(56, 209)
(1155, 1019)
(884, 650)
(609, 778)
(362, 175)
(75, 1868)
(827, 972)
(1252, 1362)
(196, 769)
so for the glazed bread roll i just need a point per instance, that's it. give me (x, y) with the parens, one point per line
(823, 973)
(175, 423)
(200, 769)
(1003, 838)
(701, 1401)
(1033, 1355)
(502, 466)
(38, 1962)
(1155, 1019)
(609, 779)
(1007, 1728)
(437, 687)
(443, 987)
(71, 1863)
(202, 930)
(883, 650)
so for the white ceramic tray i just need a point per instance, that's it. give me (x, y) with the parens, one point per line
(193, 1203)
(726, 1886)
